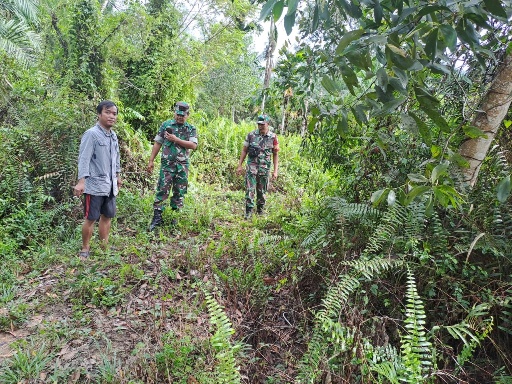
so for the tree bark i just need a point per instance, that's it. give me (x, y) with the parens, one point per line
(489, 117)
(268, 66)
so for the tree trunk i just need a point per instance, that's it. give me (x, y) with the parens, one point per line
(268, 66)
(491, 113)
(304, 119)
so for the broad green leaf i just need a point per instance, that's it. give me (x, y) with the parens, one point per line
(473, 132)
(347, 38)
(447, 195)
(377, 12)
(401, 75)
(455, 157)
(379, 195)
(417, 178)
(504, 188)
(408, 124)
(423, 128)
(349, 77)
(438, 171)
(436, 117)
(467, 33)
(507, 123)
(289, 22)
(267, 8)
(431, 9)
(349, 73)
(342, 126)
(382, 78)
(395, 49)
(397, 85)
(359, 58)
(330, 85)
(436, 151)
(311, 125)
(449, 35)
(391, 198)
(359, 114)
(429, 208)
(439, 69)
(277, 11)
(377, 39)
(431, 44)
(417, 191)
(381, 56)
(292, 6)
(314, 24)
(495, 7)
(479, 17)
(390, 106)
(350, 8)
(384, 96)
(403, 62)
(425, 98)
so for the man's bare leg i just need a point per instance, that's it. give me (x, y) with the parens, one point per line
(87, 229)
(104, 230)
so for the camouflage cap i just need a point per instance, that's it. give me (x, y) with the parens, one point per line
(262, 119)
(181, 108)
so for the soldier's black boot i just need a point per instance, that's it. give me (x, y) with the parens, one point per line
(157, 219)
(248, 212)
(259, 209)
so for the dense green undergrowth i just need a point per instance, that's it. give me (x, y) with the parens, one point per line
(319, 289)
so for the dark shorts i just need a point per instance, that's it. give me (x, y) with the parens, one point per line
(94, 206)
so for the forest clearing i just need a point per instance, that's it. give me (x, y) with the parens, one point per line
(383, 254)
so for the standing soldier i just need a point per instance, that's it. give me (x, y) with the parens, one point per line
(177, 138)
(259, 145)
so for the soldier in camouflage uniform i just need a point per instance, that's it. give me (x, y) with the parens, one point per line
(178, 138)
(259, 146)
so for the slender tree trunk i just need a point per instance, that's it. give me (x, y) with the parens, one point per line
(268, 66)
(284, 116)
(491, 113)
(304, 119)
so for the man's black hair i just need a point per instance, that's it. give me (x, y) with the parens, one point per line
(105, 104)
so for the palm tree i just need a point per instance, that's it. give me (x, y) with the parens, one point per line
(18, 18)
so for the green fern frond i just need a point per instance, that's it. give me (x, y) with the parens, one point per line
(346, 211)
(387, 231)
(328, 331)
(370, 267)
(416, 348)
(385, 362)
(227, 372)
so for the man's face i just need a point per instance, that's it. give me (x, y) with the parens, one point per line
(108, 117)
(180, 119)
(262, 126)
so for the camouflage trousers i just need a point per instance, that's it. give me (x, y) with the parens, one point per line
(256, 187)
(175, 176)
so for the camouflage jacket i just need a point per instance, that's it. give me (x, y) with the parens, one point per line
(259, 151)
(172, 152)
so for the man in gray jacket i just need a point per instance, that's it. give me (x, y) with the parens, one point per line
(98, 175)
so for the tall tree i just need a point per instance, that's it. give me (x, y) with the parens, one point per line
(488, 119)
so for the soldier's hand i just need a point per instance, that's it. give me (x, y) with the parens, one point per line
(239, 170)
(170, 136)
(274, 175)
(151, 166)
